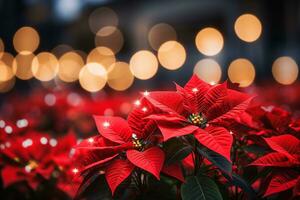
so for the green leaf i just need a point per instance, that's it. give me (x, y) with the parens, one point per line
(175, 151)
(200, 188)
(219, 161)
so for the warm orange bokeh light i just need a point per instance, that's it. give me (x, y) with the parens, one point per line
(120, 77)
(111, 37)
(143, 64)
(171, 55)
(241, 71)
(161, 33)
(6, 86)
(209, 41)
(70, 65)
(208, 70)
(22, 66)
(26, 40)
(2, 47)
(44, 66)
(6, 72)
(93, 77)
(102, 17)
(103, 56)
(248, 27)
(285, 70)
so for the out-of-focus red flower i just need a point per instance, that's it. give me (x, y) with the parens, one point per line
(284, 159)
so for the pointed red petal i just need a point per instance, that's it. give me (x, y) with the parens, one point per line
(170, 129)
(11, 175)
(115, 129)
(174, 170)
(215, 95)
(273, 159)
(217, 139)
(117, 172)
(150, 160)
(281, 182)
(285, 144)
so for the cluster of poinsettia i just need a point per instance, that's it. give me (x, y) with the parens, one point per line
(37, 159)
(37, 136)
(198, 142)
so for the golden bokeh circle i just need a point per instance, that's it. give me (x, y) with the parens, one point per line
(208, 70)
(103, 56)
(70, 65)
(93, 77)
(6, 72)
(285, 70)
(2, 47)
(241, 71)
(120, 77)
(22, 66)
(111, 37)
(101, 17)
(6, 86)
(26, 40)
(209, 41)
(171, 55)
(143, 64)
(161, 33)
(44, 66)
(248, 27)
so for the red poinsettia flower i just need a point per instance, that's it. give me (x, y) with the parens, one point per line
(30, 159)
(284, 160)
(199, 109)
(121, 147)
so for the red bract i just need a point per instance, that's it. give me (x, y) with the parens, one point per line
(121, 147)
(199, 109)
(30, 159)
(285, 155)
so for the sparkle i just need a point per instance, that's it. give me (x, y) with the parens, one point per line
(91, 140)
(137, 102)
(144, 109)
(2, 124)
(231, 133)
(50, 99)
(22, 123)
(106, 124)
(212, 83)
(28, 168)
(53, 142)
(134, 136)
(75, 170)
(27, 143)
(146, 93)
(8, 129)
(195, 90)
(43, 140)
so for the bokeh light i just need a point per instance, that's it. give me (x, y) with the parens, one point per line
(44, 66)
(22, 66)
(61, 49)
(285, 70)
(26, 40)
(6, 72)
(93, 77)
(161, 33)
(120, 77)
(103, 56)
(209, 41)
(2, 47)
(208, 70)
(171, 55)
(70, 65)
(102, 17)
(143, 64)
(241, 71)
(6, 86)
(111, 37)
(248, 27)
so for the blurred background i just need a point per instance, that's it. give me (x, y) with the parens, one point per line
(108, 46)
